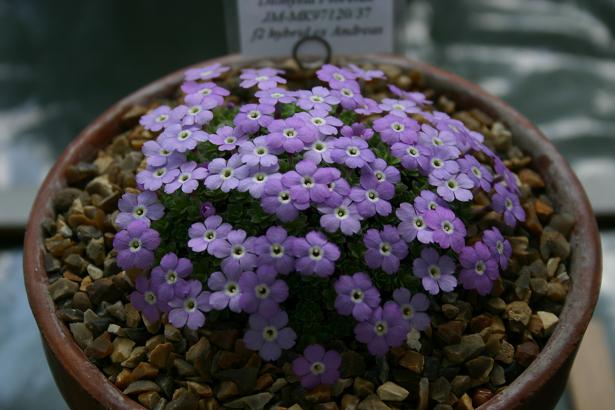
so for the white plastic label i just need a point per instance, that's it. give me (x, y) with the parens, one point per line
(273, 27)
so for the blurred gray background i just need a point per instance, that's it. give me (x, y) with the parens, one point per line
(63, 62)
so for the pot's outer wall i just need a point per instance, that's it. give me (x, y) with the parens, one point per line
(84, 386)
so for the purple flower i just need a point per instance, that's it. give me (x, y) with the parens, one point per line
(255, 181)
(453, 187)
(356, 296)
(325, 123)
(428, 201)
(499, 247)
(145, 300)
(367, 106)
(349, 97)
(181, 139)
(443, 139)
(435, 271)
(357, 130)
(477, 172)
(507, 203)
(158, 156)
(252, 117)
(412, 155)
(393, 127)
(270, 335)
(366, 75)
(264, 78)
(274, 249)
(379, 172)
(335, 76)
(276, 95)
(415, 96)
(152, 179)
(207, 209)
(339, 190)
(188, 306)
(277, 199)
(385, 249)
(209, 236)
(413, 308)
(224, 174)
(442, 164)
(344, 217)
(262, 292)
(320, 151)
(256, 152)
(237, 253)
(205, 73)
(291, 135)
(136, 245)
(171, 272)
(195, 113)
(226, 138)
(400, 108)
(315, 255)
(205, 91)
(385, 328)
(352, 152)
(157, 119)
(319, 98)
(412, 224)
(187, 179)
(309, 183)
(479, 268)
(226, 291)
(372, 199)
(144, 206)
(317, 367)
(448, 230)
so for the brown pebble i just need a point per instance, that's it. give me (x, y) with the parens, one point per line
(350, 402)
(526, 353)
(226, 390)
(319, 394)
(413, 361)
(159, 357)
(100, 347)
(143, 370)
(481, 396)
(531, 178)
(362, 387)
(326, 406)
(464, 403)
(202, 390)
(264, 381)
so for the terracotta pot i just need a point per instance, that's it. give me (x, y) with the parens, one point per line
(84, 386)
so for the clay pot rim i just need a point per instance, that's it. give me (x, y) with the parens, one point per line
(575, 315)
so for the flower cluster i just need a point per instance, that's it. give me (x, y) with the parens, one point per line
(370, 199)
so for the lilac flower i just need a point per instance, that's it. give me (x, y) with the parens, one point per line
(338, 191)
(477, 172)
(507, 203)
(277, 199)
(479, 269)
(435, 271)
(335, 76)
(195, 113)
(274, 249)
(499, 247)
(444, 139)
(385, 249)
(181, 139)
(207, 209)
(206, 73)
(509, 178)
(428, 201)
(413, 225)
(208, 90)
(320, 151)
(367, 106)
(291, 135)
(152, 179)
(442, 164)
(237, 252)
(372, 199)
(225, 291)
(188, 306)
(366, 75)
(352, 152)
(224, 174)
(414, 96)
(349, 97)
(356, 296)
(262, 292)
(253, 116)
(357, 130)
(344, 217)
(256, 152)
(255, 181)
(158, 156)
(325, 123)
(226, 138)
(276, 95)
(270, 335)
(171, 272)
(145, 300)
(317, 367)
(187, 179)
(400, 108)
(393, 127)
(380, 173)
(385, 328)
(309, 183)
(315, 255)
(144, 206)
(264, 78)
(135, 245)
(453, 187)
(209, 236)
(157, 119)
(412, 155)
(319, 98)
(448, 230)
(413, 308)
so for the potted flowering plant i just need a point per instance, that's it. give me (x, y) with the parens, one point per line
(341, 238)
